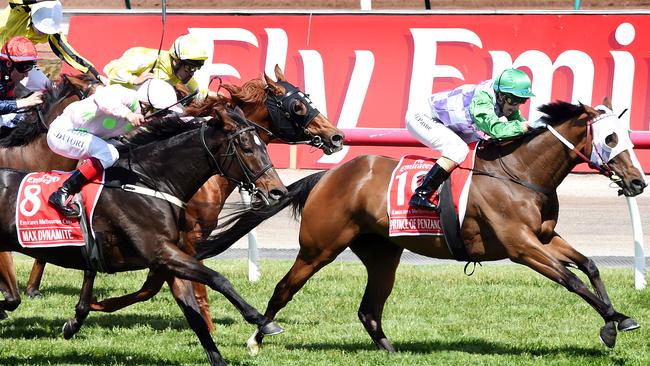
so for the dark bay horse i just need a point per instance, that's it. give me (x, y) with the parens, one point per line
(25, 148)
(281, 111)
(170, 158)
(511, 212)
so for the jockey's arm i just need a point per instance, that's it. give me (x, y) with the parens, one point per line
(127, 69)
(61, 48)
(482, 112)
(116, 100)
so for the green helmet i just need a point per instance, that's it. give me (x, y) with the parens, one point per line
(515, 82)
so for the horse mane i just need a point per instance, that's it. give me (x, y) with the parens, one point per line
(29, 129)
(560, 111)
(208, 107)
(157, 129)
(253, 91)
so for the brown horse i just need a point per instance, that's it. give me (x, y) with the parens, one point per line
(281, 111)
(511, 212)
(167, 161)
(25, 148)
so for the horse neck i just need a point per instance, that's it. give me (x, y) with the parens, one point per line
(180, 163)
(547, 160)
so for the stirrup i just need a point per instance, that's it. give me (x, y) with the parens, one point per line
(422, 201)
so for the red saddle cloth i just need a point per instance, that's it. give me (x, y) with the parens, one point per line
(405, 220)
(40, 225)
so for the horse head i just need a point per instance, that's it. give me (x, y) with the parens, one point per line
(292, 115)
(599, 138)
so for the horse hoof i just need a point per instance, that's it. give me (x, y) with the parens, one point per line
(68, 330)
(3, 315)
(34, 294)
(628, 324)
(271, 328)
(386, 345)
(252, 344)
(608, 334)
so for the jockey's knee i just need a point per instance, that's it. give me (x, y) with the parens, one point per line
(456, 152)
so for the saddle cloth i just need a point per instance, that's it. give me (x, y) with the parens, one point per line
(40, 225)
(405, 220)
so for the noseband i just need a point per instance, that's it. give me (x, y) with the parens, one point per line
(287, 121)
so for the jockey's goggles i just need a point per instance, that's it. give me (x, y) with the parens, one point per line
(192, 65)
(514, 100)
(24, 67)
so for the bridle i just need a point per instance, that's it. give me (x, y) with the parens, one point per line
(287, 121)
(232, 154)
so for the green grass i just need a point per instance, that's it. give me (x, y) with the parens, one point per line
(502, 315)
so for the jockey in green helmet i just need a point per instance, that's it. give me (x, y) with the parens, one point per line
(451, 119)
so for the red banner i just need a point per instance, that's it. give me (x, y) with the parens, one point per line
(362, 70)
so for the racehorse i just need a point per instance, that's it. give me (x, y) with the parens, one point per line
(168, 161)
(511, 212)
(281, 111)
(25, 148)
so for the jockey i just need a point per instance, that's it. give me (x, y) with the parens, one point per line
(17, 57)
(80, 132)
(40, 22)
(138, 64)
(452, 119)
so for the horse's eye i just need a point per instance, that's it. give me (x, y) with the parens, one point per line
(611, 140)
(245, 145)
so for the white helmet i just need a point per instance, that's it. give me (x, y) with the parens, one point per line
(46, 16)
(157, 93)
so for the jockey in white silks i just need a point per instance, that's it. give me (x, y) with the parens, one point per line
(80, 132)
(452, 119)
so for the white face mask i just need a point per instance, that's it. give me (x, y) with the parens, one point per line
(611, 136)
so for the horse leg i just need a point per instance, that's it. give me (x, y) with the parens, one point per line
(150, 287)
(307, 263)
(185, 298)
(381, 258)
(8, 285)
(201, 294)
(532, 254)
(566, 254)
(72, 326)
(34, 282)
(187, 267)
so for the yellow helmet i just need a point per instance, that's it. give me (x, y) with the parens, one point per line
(188, 47)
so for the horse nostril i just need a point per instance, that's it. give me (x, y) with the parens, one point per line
(337, 140)
(638, 185)
(276, 194)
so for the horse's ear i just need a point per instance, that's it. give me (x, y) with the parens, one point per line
(271, 85)
(607, 103)
(279, 75)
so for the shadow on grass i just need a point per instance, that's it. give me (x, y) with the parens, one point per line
(35, 327)
(86, 359)
(470, 346)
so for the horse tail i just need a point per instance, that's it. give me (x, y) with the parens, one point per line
(240, 223)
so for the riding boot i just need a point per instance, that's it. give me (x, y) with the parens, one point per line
(62, 197)
(430, 183)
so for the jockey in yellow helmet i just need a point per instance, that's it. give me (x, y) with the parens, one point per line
(178, 65)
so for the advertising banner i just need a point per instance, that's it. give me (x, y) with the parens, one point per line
(364, 70)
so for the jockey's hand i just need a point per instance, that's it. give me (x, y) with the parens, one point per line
(143, 77)
(104, 79)
(33, 99)
(538, 123)
(136, 119)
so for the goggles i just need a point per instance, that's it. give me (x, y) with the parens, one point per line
(514, 100)
(191, 66)
(24, 66)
